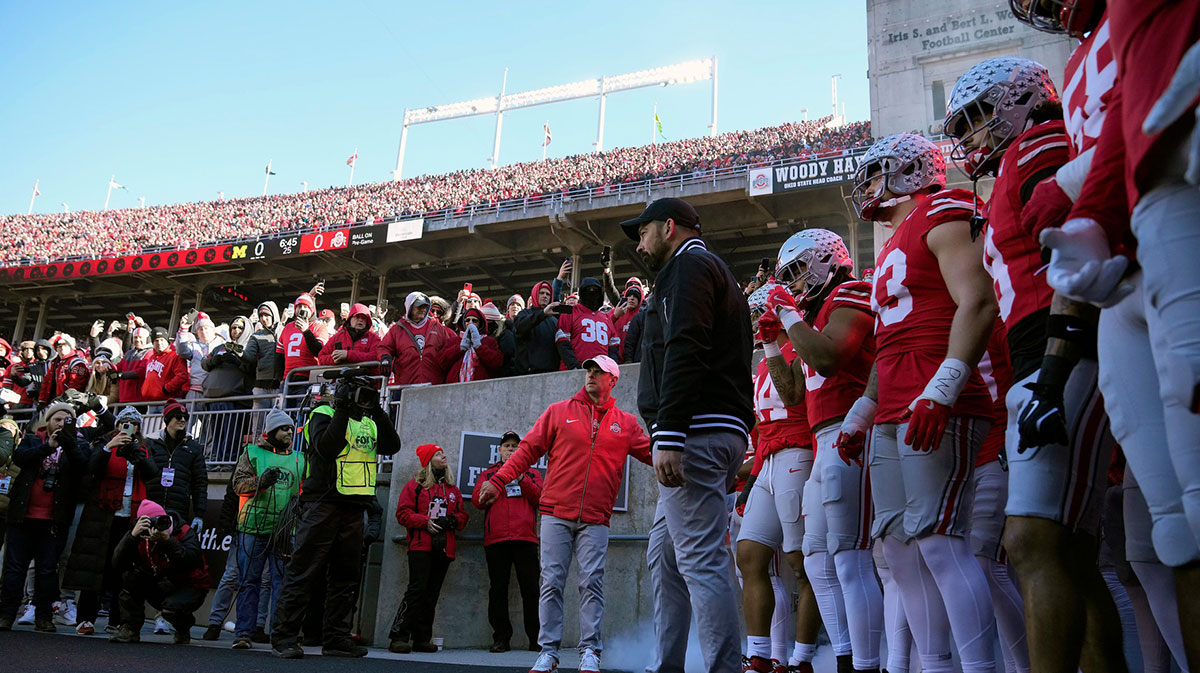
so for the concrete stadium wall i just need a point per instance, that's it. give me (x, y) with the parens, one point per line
(440, 414)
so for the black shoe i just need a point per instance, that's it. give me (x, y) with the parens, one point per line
(344, 649)
(260, 636)
(289, 651)
(125, 634)
(182, 636)
(213, 632)
(400, 646)
(6, 623)
(845, 664)
(424, 647)
(242, 644)
(44, 626)
(499, 646)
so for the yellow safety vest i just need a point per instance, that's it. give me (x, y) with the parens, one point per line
(358, 463)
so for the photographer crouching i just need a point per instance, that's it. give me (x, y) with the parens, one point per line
(345, 436)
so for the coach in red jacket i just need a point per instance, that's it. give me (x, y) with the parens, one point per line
(588, 439)
(510, 541)
(354, 342)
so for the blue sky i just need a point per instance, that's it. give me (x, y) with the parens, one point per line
(182, 100)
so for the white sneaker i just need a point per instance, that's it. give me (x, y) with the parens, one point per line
(64, 613)
(161, 626)
(545, 662)
(27, 616)
(589, 661)
(86, 629)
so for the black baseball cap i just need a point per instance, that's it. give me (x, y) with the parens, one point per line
(160, 333)
(661, 210)
(510, 434)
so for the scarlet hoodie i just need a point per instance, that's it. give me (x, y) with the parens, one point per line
(587, 446)
(166, 375)
(360, 349)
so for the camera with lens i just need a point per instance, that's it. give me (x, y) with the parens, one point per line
(130, 451)
(159, 523)
(446, 522)
(353, 385)
(234, 347)
(50, 478)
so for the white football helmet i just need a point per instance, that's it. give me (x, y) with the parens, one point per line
(758, 301)
(909, 163)
(996, 97)
(812, 256)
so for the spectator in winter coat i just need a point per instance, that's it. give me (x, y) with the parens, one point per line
(354, 342)
(260, 354)
(131, 369)
(239, 332)
(631, 344)
(510, 542)
(119, 469)
(103, 380)
(52, 459)
(421, 348)
(535, 329)
(18, 377)
(193, 349)
(161, 563)
(625, 311)
(587, 439)
(586, 331)
(166, 372)
(182, 486)
(68, 371)
(431, 508)
(500, 328)
(481, 357)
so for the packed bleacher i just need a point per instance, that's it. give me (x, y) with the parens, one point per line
(43, 237)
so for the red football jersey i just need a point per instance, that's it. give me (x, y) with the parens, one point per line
(1011, 255)
(913, 312)
(1091, 71)
(779, 426)
(831, 398)
(589, 332)
(997, 374)
(294, 349)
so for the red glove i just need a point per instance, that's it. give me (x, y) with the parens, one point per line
(850, 447)
(768, 327)
(927, 421)
(778, 297)
(1047, 207)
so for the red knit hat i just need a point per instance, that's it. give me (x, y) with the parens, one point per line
(425, 453)
(174, 408)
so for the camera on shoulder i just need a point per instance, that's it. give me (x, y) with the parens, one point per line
(353, 385)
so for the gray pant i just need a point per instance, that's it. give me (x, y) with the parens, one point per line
(689, 563)
(588, 543)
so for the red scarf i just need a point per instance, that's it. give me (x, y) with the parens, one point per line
(112, 485)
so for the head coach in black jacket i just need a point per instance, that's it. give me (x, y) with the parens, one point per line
(695, 395)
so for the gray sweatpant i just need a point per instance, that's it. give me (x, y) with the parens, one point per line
(588, 544)
(689, 563)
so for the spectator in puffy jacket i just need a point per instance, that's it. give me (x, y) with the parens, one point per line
(166, 372)
(481, 357)
(19, 375)
(354, 342)
(182, 486)
(431, 508)
(631, 345)
(626, 310)
(510, 542)
(421, 348)
(260, 354)
(132, 367)
(535, 329)
(67, 371)
(193, 348)
(587, 439)
(51, 458)
(161, 563)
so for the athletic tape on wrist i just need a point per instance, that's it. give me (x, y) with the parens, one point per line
(948, 382)
(863, 410)
(772, 350)
(789, 317)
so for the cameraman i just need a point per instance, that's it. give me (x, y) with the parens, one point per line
(119, 473)
(344, 442)
(161, 564)
(431, 508)
(51, 458)
(267, 475)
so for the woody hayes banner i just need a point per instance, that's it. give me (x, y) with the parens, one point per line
(803, 174)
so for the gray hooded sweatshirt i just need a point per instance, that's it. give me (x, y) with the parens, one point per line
(260, 352)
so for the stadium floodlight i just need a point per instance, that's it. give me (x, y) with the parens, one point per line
(680, 73)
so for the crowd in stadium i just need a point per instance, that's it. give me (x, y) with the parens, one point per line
(48, 236)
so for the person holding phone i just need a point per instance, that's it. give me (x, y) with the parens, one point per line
(119, 471)
(536, 327)
(161, 563)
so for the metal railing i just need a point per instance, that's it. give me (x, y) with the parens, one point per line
(522, 204)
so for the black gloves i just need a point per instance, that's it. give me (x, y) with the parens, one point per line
(269, 478)
(1043, 420)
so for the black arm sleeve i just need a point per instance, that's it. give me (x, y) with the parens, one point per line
(314, 344)
(389, 441)
(633, 337)
(567, 354)
(328, 434)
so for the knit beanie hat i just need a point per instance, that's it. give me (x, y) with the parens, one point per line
(203, 319)
(173, 409)
(54, 407)
(425, 453)
(129, 414)
(277, 418)
(492, 313)
(516, 299)
(152, 509)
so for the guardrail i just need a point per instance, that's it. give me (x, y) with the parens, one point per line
(523, 204)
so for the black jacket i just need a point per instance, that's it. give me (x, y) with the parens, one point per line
(536, 350)
(187, 496)
(181, 560)
(72, 464)
(633, 337)
(696, 374)
(327, 439)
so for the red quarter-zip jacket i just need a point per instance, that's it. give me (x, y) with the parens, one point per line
(586, 446)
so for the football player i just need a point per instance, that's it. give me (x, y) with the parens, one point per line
(587, 331)
(934, 313)
(827, 316)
